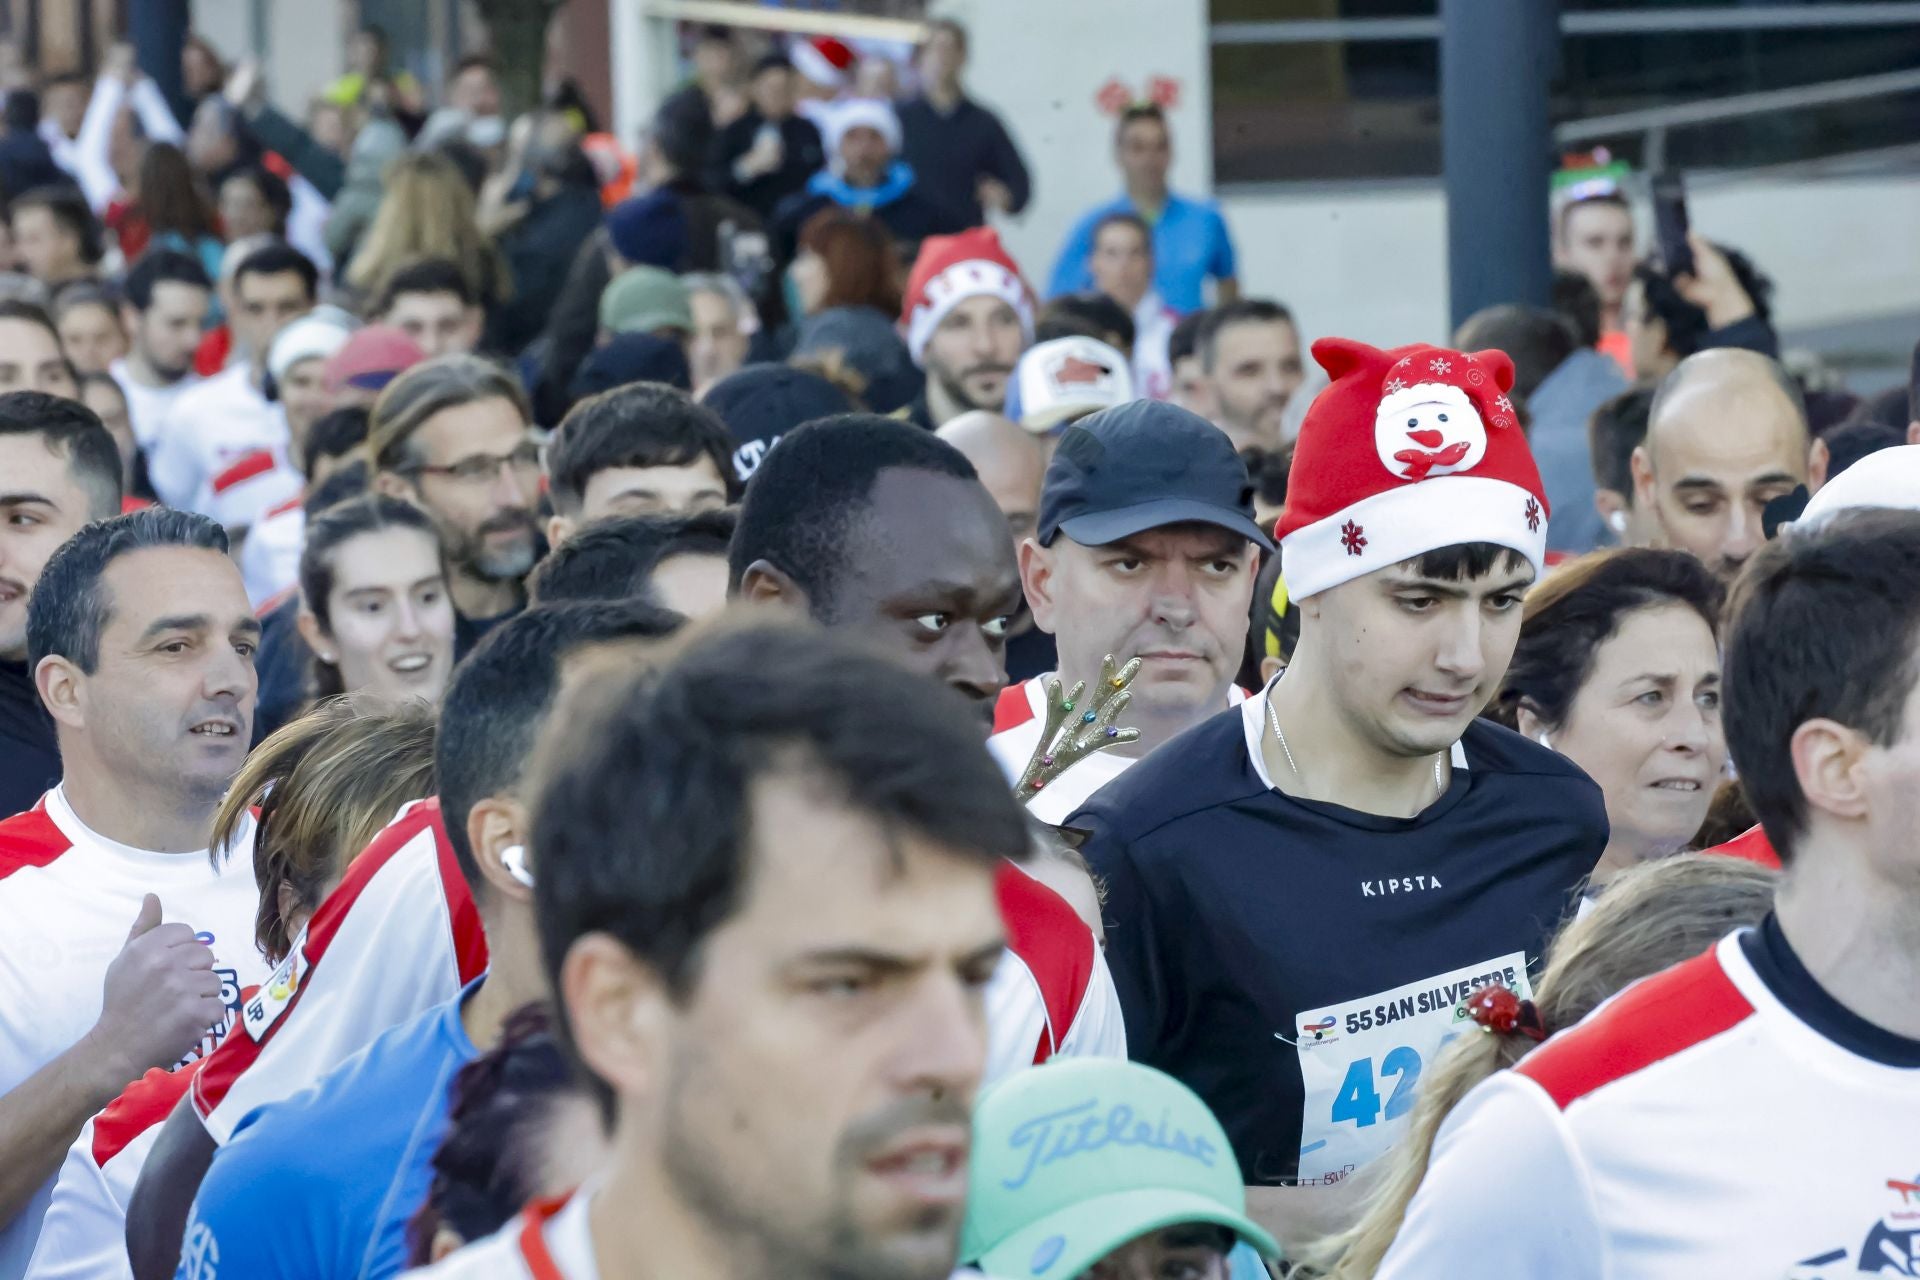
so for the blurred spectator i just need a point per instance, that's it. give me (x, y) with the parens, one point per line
(968, 314)
(554, 208)
(56, 235)
(430, 300)
(1726, 435)
(715, 88)
(630, 358)
(358, 372)
(1249, 358)
(1121, 266)
(428, 211)
(357, 199)
(215, 423)
(63, 108)
(167, 300)
(170, 211)
(30, 355)
(1190, 240)
(26, 161)
(254, 201)
(1085, 315)
(770, 151)
(472, 110)
(1726, 303)
(368, 71)
(1011, 463)
(867, 349)
(1593, 236)
(676, 562)
(843, 260)
(88, 319)
(202, 71)
(1843, 446)
(1190, 390)
(1557, 385)
(723, 326)
(959, 150)
(677, 147)
(100, 393)
(319, 164)
(637, 450)
(864, 175)
(1616, 429)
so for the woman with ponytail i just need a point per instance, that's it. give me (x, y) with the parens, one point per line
(1651, 917)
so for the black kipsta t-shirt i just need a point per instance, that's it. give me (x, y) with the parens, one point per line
(1298, 964)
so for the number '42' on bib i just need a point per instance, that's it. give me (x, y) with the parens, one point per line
(1360, 1062)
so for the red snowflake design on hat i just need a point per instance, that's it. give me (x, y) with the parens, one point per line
(1353, 538)
(1533, 515)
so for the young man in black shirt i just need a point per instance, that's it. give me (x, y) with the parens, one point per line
(1302, 889)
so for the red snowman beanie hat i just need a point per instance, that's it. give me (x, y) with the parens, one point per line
(951, 269)
(1409, 451)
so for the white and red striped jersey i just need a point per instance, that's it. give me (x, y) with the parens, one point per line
(211, 426)
(398, 935)
(1018, 716)
(1727, 1117)
(1051, 995)
(68, 896)
(549, 1240)
(84, 1235)
(270, 557)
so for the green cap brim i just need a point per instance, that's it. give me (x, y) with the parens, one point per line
(1066, 1243)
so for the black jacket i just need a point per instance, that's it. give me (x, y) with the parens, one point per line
(29, 753)
(801, 156)
(950, 154)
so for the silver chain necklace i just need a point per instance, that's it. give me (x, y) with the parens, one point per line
(1273, 718)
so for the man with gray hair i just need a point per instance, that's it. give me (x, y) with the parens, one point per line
(454, 435)
(1727, 434)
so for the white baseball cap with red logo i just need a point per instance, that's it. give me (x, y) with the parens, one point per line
(1067, 378)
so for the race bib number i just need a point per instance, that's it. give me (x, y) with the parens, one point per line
(277, 992)
(1360, 1062)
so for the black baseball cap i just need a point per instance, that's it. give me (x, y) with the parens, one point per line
(1143, 465)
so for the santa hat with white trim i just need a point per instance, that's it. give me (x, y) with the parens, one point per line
(823, 60)
(951, 269)
(1408, 451)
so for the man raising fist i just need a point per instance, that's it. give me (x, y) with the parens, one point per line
(141, 643)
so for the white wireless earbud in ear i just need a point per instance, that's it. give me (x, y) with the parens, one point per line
(1617, 521)
(514, 859)
(1543, 740)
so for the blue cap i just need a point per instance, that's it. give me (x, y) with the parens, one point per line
(1144, 465)
(649, 230)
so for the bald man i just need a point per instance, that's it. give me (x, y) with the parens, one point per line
(1727, 435)
(1011, 461)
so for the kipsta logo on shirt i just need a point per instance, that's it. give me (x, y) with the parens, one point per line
(1398, 884)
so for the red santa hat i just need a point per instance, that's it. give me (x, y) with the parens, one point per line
(1408, 451)
(951, 269)
(824, 60)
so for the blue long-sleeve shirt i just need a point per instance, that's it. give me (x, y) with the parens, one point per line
(1190, 243)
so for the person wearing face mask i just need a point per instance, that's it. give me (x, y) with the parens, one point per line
(374, 603)
(1618, 669)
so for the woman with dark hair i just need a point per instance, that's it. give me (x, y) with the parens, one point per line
(169, 211)
(1618, 669)
(374, 606)
(520, 1128)
(843, 291)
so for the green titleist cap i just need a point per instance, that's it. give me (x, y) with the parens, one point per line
(1073, 1159)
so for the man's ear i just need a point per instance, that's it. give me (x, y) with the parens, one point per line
(62, 688)
(618, 1012)
(1829, 760)
(764, 584)
(1913, 433)
(1819, 459)
(559, 529)
(1644, 492)
(496, 825)
(1036, 579)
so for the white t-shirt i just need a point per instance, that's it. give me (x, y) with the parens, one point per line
(209, 428)
(1724, 1118)
(148, 407)
(84, 1234)
(1018, 717)
(68, 896)
(548, 1241)
(1153, 322)
(270, 557)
